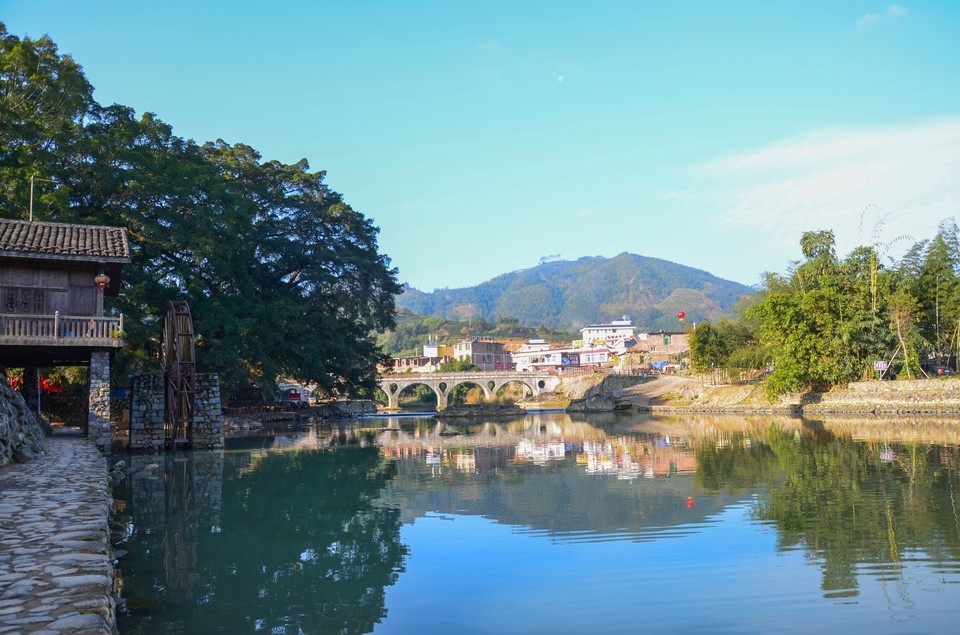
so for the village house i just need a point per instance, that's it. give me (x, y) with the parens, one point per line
(664, 344)
(433, 356)
(610, 334)
(539, 355)
(53, 279)
(612, 345)
(485, 354)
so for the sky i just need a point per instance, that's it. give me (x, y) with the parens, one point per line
(483, 137)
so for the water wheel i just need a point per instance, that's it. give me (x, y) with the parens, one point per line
(178, 361)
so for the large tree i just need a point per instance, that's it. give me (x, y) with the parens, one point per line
(827, 322)
(282, 275)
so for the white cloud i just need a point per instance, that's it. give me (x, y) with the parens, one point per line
(907, 178)
(895, 11)
(891, 12)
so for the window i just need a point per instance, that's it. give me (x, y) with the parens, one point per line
(25, 301)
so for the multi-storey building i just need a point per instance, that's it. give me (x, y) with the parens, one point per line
(485, 354)
(610, 334)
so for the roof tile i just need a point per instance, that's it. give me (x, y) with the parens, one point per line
(63, 240)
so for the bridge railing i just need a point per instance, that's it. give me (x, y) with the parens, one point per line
(487, 374)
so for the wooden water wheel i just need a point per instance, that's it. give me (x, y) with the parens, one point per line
(178, 361)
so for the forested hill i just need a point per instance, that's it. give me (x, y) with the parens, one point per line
(572, 294)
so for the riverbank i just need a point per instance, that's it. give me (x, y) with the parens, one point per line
(679, 394)
(56, 572)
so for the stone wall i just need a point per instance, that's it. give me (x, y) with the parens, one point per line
(21, 436)
(147, 413)
(98, 415)
(208, 414)
(918, 396)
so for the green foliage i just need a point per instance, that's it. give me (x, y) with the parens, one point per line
(283, 277)
(707, 348)
(457, 366)
(823, 326)
(830, 319)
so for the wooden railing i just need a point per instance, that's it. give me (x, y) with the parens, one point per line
(61, 330)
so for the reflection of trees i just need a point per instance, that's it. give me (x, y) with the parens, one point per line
(302, 547)
(739, 465)
(179, 543)
(851, 503)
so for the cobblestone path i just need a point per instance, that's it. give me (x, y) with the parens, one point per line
(56, 575)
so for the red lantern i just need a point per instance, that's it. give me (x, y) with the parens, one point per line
(681, 315)
(102, 280)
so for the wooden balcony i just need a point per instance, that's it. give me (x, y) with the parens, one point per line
(61, 331)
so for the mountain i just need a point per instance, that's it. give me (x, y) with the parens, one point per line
(572, 294)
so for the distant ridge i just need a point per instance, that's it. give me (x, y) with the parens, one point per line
(571, 294)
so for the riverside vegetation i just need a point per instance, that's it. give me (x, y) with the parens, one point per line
(272, 260)
(829, 320)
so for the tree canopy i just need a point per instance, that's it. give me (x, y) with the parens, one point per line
(283, 277)
(831, 319)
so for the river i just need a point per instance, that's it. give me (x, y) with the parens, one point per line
(550, 524)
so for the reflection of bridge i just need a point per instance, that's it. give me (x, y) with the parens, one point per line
(443, 383)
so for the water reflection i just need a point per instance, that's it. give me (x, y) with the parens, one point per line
(282, 542)
(301, 531)
(848, 504)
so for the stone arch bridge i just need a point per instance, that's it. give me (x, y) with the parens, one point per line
(443, 383)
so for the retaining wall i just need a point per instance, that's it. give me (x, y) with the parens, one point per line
(147, 413)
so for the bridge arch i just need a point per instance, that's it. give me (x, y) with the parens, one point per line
(528, 386)
(479, 383)
(394, 390)
(443, 383)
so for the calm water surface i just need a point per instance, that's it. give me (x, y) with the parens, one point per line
(552, 524)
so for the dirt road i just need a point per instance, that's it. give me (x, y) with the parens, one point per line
(642, 394)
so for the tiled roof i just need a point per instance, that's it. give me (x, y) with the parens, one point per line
(63, 241)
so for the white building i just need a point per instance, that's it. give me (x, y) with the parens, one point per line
(537, 355)
(609, 334)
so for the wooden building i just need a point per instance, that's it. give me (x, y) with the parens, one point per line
(53, 278)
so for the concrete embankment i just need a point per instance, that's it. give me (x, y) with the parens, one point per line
(56, 572)
(940, 396)
(679, 394)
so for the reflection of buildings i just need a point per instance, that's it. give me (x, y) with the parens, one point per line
(540, 452)
(668, 460)
(539, 440)
(632, 458)
(475, 460)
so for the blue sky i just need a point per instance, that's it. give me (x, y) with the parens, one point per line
(481, 137)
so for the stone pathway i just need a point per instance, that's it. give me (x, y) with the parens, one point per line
(56, 575)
